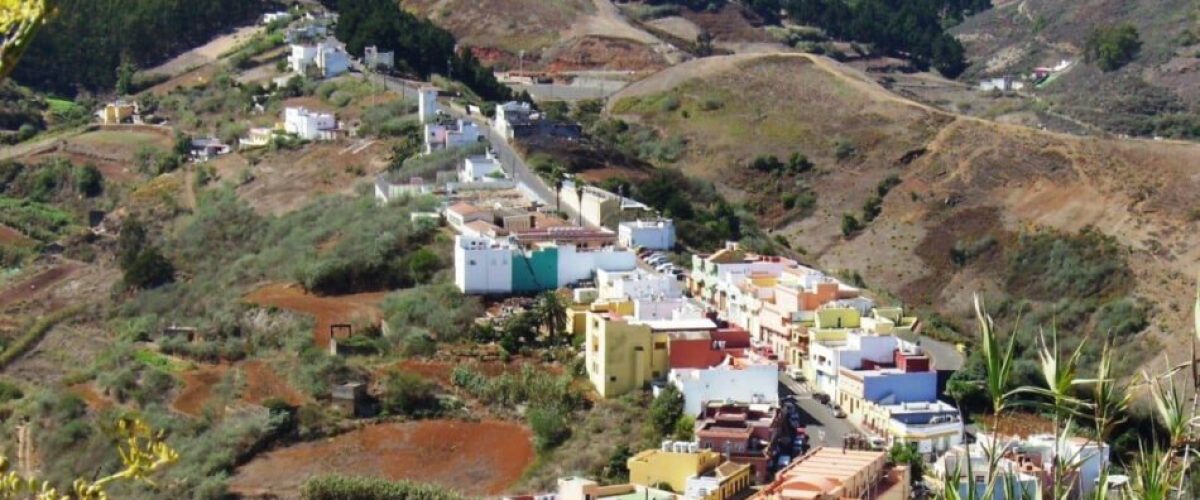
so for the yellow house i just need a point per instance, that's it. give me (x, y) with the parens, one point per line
(117, 112)
(673, 467)
(701, 474)
(622, 357)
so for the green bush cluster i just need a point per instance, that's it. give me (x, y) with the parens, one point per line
(1111, 47)
(1048, 265)
(529, 386)
(39, 221)
(364, 488)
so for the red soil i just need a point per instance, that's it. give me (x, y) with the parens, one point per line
(37, 284)
(1019, 424)
(12, 237)
(261, 384)
(475, 458)
(327, 310)
(198, 389)
(95, 401)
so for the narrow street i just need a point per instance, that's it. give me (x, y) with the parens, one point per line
(822, 427)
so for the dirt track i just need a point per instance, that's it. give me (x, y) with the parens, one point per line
(476, 458)
(326, 310)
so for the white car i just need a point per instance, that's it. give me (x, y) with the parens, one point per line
(662, 268)
(654, 261)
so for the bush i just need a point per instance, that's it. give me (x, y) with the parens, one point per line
(409, 395)
(88, 180)
(9, 392)
(1111, 47)
(149, 269)
(549, 425)
(364, 488)
(850, 225)
(440, 309)
(1049, 266)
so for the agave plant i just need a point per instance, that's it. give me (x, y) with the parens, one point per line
(19, 21)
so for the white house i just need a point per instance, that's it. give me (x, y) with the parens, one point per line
(829, 357)
(653, 234)
(447, 136)
(481, 169)
(281, 16)
(427, 106)
(206, 148)
(743, 380)
(257, 137)
(373, 58)
(1030, 462)
(329, 59)
(1003, 83)
(510, 114)
(483, 265)
(309, 125)
(637, 284)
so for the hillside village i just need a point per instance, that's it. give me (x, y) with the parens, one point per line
(672, 250)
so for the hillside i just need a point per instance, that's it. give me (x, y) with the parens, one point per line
(973, 197)
(1156, 94)
(554, 35)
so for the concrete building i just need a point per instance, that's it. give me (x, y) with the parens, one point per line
(373, 58)
(577, 488)
(829, 474)
(119, 112)
(257, 137)
(636, 284)
(510, 115)
(842, 338)
(1005, 83)
(516, 120)
(484, 168)
(744, 433)
(309, 125)
(1027, 463)
(658, 234)
(623, 354)
(597, 207)
(460, 214)
(484, 265)
(327, 59)
(700, 474)
(749, 379)
(282, 16)
(441, 136)
(386, 190)
(581, 237)
(206, 148)
(427, 105)
(934, 427)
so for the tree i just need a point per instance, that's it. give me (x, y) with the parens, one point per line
(149, 270)
(1112, 47)
(665, 410)
(422, 264)
(88, 180)
(130, 242)
(685, 428)
(908, 454)
(551, 315)
(125, 72)
(19, 22)
(409, 395)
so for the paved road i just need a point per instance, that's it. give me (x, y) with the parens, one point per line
(945, 356)
(822, 427)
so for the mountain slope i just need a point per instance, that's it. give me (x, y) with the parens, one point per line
(1157, 94)
(961, 180)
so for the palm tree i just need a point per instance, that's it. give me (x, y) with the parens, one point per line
(551, 314)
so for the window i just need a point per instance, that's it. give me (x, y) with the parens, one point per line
(472, 262)
(658, 346)
(612, 378)
(655, 373)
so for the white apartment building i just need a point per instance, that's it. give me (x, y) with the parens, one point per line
(636, 284)
(748, 380)
(511, 114)
(481, 169)
(329, 59)
(440, 136)
(309, 125)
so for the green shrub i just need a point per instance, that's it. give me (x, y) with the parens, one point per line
(850, 225)
(666, 410)
(550, 426)
(1048, 266)
(9, 391)
(1111, 47)
(363, 488)
(409, 395)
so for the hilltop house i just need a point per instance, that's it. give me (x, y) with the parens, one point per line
(327, 57)
(373, 58)
(257, 137)
(310, 126)
(119, 112)
(516, 120)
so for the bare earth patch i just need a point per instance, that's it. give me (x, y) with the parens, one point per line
(475, 458)
(326, 310)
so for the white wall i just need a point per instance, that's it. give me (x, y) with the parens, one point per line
(427, 106)
(657, 309)
(655, 235)
(636, 284)
(479, 169)
(574, 265)
(481, 267)
(724, 382)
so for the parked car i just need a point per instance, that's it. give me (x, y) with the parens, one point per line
(821, 397)
(838, 413)
(796, 374)
(655, 260)
(662, 268)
